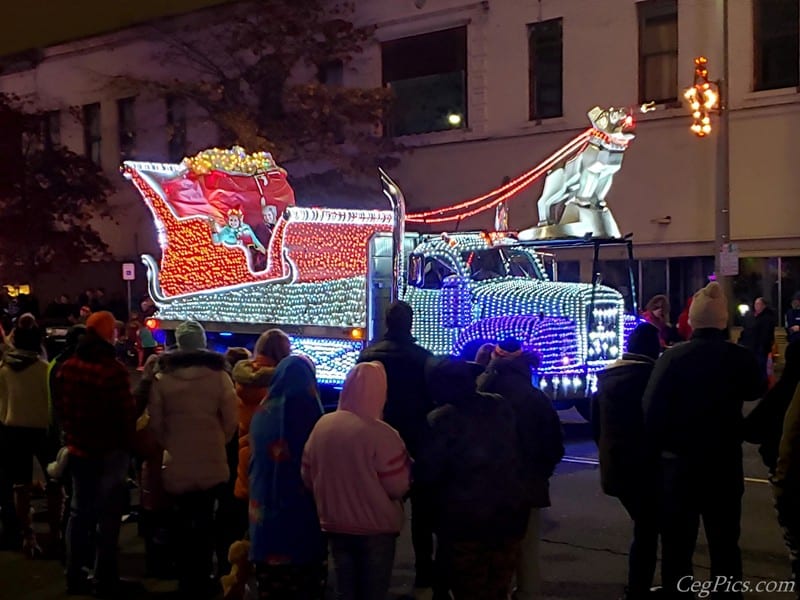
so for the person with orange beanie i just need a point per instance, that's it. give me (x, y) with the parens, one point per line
(97, 412)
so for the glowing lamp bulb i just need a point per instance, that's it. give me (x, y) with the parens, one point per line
(455, 119)
(151, 324)
(743, 309)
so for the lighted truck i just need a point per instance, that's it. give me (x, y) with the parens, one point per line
(238, 255)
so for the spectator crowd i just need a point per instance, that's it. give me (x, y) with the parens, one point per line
(248, 488)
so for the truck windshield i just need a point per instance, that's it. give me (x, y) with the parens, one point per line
(500, 262)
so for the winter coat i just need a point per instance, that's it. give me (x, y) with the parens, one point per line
(618, 424)
(538, 426)
(284, 526)
(193, 414)
(408, 402)
(792, 319)
(357, 465)
(684, 329)
(786, 480)
(252, 379)
(764, 424)
(693, 404)
(469, 464)
(94, 403)
(24, 390)
(759, 333)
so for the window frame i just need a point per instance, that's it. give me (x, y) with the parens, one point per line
(759, 85)
(92, 140)
(126, 132)
(533, 113)
(648, 11)
(176, 113)
(462, 30)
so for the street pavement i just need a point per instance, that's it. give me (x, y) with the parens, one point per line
(583, 552)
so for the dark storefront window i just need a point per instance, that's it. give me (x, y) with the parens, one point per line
(428, 76)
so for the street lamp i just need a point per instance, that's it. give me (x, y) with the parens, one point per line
(703, 98)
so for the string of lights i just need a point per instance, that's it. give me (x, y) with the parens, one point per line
(437, 215)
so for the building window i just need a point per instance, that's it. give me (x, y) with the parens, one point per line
(51, 129)
(658, 51)
(776, 48)
(176, 128)
(126, 127)
(545, 69)
(92, 136)
(428, 76)
(331, 73)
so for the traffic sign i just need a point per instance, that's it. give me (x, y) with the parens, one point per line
(128, 271)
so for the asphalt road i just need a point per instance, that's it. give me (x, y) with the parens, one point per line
(584, 548)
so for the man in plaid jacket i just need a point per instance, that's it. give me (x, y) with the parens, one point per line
(98, 415)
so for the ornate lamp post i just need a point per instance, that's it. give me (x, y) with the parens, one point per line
(705, 97)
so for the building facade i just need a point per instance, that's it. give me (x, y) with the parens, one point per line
(487, 89)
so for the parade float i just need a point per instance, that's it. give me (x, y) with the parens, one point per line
(239, 255)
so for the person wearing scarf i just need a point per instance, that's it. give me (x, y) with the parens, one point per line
(286, 544)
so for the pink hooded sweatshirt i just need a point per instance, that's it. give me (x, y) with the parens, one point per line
(355, 464)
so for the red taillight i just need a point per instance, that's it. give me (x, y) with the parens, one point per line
(151, 324)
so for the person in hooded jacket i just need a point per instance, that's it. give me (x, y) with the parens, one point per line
(471, 464)
(693, 417)
(764, 424)
(627, 466)
(286, 543)
(25, 418)
(407, 406)
(541, 444)
(192, 412)
(359, 470)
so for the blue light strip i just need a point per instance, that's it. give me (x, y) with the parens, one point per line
(333, 358)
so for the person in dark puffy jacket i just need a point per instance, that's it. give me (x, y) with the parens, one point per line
(758, 334)
(469, 463)
(693, 416)
(541, 443)
(407, 407)
(764, 424)
(627, 467)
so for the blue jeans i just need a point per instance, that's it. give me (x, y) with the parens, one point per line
(363, 565)
(98, 498)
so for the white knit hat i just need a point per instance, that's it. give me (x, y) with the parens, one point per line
(709, 309)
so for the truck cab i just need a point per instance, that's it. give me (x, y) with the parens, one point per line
(472, 288)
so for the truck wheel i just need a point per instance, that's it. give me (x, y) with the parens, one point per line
(584, 408)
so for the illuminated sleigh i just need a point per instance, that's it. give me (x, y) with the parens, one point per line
(314, 260)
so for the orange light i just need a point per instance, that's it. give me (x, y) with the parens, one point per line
(356, 333)
(151, 324)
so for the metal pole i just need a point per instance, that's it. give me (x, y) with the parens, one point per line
(129, 299)
(722, 224)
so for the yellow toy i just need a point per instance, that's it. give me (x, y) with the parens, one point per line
(233, 584)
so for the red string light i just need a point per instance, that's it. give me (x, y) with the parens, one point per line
(424, 217)
(543, 168)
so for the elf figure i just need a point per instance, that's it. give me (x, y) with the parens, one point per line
(236, 232)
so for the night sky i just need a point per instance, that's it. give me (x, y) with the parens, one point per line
(36, 23)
